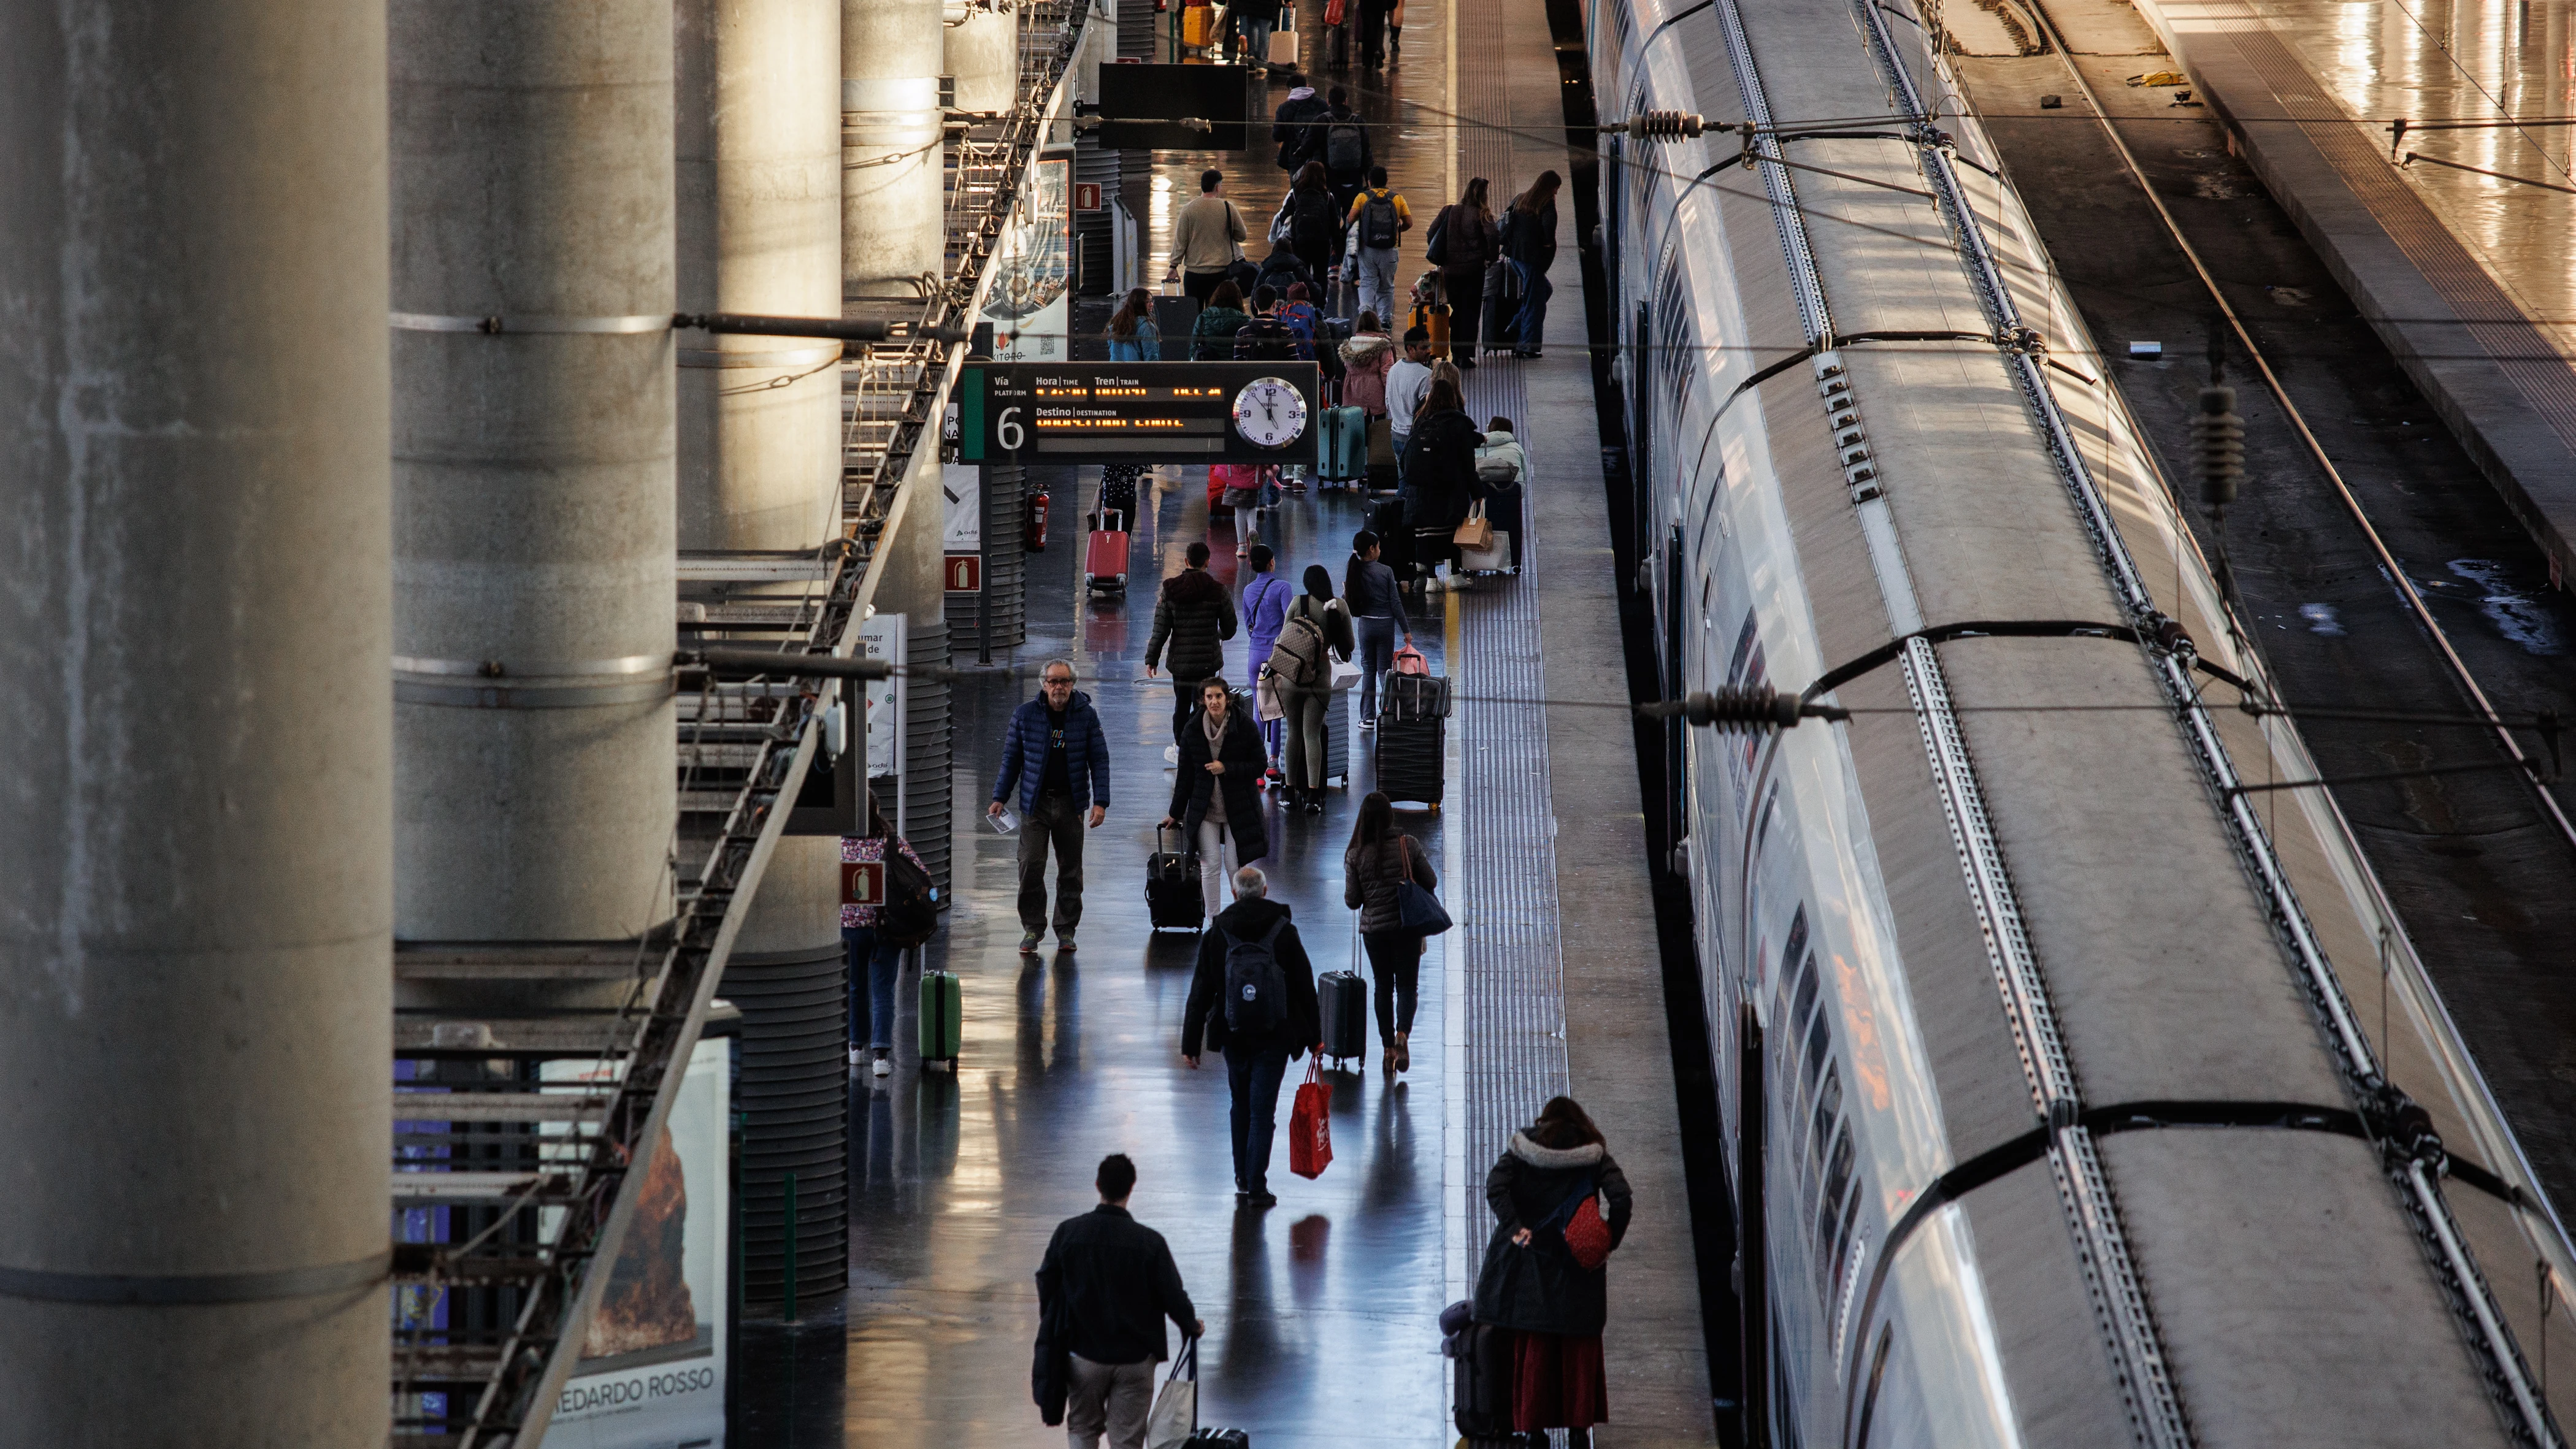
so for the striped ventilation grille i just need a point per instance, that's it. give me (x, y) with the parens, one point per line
(1503, 855)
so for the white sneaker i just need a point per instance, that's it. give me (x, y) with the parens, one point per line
(857, 1055)
(1171, 754)
(883, 1068)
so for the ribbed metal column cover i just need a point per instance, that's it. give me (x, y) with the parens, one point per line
(1005, 601)
(795, 1118)
(926, 786)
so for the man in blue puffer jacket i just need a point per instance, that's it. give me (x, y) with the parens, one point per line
(1057, 756)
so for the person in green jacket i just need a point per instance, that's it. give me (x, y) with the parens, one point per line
(1213, 334)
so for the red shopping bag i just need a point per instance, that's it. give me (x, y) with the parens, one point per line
(1310, 1124)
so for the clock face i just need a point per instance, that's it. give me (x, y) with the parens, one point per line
(1269, 412)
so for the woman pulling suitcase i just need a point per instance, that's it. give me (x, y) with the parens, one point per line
(1216, 792)
(1379, 863)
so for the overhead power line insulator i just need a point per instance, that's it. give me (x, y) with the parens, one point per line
(1663, 125)
(1740, 707)
(2217, 448)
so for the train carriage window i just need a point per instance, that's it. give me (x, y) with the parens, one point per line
(1818, 1040)
(1843, 1259)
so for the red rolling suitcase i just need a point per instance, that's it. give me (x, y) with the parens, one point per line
(1104, 558)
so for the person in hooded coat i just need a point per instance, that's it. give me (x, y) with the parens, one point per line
(1531, 1283)
(1194, 616)
(1365, 360)
(1289, 123)
(1216, 792)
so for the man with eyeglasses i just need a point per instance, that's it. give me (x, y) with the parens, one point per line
(1057, 756)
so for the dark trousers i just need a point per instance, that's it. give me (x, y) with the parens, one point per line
(1185, 703)
(1372, 34)
(1199, 286)
(868, 985)
(1252, 1078)
(1377, 656)
(1395, 959)
(1056, 820)
(1463, 288)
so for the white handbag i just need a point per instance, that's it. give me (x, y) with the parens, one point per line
(1265, 694)
(1175, 1418)
(1494, 557)
(1283, 47)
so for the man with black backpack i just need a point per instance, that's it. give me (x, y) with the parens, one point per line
(1342, 144)
(1252, 998)
(1382, 219)
(1265, 338)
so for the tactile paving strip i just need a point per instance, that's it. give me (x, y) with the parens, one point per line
(1504, 847)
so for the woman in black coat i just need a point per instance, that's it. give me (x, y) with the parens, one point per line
(1216, 792)
(1531, 1283)
(1440, 481)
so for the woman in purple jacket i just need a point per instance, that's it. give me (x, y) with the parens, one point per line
(1265, 613)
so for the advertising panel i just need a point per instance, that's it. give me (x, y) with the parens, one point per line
(652, 1372)
(1031, 302)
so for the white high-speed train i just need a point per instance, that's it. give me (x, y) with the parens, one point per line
(2079, 1089)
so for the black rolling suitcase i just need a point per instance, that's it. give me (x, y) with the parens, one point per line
(1342, 1000)
(1502, 308)
(1482, 1397)
(1412, 724)
(1172, 885)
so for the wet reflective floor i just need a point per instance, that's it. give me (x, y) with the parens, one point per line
(2485, 62)
(1321, 1312)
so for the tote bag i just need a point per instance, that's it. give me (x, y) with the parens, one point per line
(1417, 911)
(1175, 1417)
(1310, 1124)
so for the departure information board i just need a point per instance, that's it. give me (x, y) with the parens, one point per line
(1147, 412)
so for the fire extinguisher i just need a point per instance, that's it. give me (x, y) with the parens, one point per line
(1033, 537)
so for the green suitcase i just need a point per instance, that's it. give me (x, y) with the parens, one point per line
(943, 1019)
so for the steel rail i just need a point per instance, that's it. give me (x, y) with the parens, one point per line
(2405, 586)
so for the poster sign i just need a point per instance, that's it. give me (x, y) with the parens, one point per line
(1031, 302)
(961, 492)
(1086, 196)
(652, 1371)
(964, 573)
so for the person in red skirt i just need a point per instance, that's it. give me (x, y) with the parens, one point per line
(1557, 1178)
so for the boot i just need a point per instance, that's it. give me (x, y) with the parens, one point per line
(1394, 42)
(1403, 1053)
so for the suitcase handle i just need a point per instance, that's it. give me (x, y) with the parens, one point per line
(1181, 844)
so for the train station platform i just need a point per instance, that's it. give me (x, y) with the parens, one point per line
(1321, 1312)
(2457, 256)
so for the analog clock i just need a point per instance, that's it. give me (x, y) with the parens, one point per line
(1270, 413)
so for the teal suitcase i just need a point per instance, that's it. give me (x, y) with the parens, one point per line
(1341, 446)
(943, 1019)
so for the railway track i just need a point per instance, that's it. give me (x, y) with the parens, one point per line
(2377, 567)
(2530, 770)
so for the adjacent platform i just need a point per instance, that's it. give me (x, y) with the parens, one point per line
(2462, 274)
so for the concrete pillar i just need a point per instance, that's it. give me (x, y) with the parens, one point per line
(982, 54)
(759, 180)
(912, 587)
(195, 876)
(893, 227)
(533, 544)
(759, 231)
